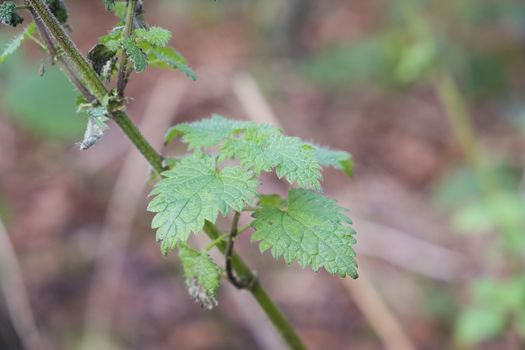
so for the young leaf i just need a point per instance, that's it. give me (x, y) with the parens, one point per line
(16, 42)
(164, 57)
(59, 9)
(135, 54)
(113, 39)
(195, 191)
(309, 228)
(264, 147)
(206, 132)
(8, 14)
(102, 59)
(202, 276)
(340, 160)
(108, 4)
(156, 36)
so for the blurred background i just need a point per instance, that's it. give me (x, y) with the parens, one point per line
(426, 95)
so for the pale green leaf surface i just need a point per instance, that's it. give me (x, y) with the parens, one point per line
(207, 132)
(264, 147)
(340, 160)
(15, 44)
(135, 54)
(165, 57)
(202, 276)
(195, 191)
(309, 228)
(156, 36)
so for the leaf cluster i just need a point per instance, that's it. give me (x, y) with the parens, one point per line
(220, 173)
(220, 176)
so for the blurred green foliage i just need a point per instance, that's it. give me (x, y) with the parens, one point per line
(50, 112)
(419, 37)
(496, 304)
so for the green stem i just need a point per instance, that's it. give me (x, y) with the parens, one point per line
(88, 76)
(93, 83)
(134, 134)
(123, 73)
(275, 315)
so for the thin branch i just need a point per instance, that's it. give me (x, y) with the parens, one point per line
(78, 62)
(55, 57)
(237, 282)
(244, 229)
(275, 315)
(17, 300)
(378, 314)
(123, 72)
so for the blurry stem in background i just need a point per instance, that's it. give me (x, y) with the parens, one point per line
(95, 86)
(17, 300)
(461, 120)
(455, 106)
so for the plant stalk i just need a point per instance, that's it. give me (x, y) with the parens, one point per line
(95, 86)
(78, 62)
(123, 72)
(275, 315)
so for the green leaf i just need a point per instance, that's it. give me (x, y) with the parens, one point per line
(206, 132)
(164, 57)
(8, 14)
(113, 40)
(195, 191)
(202, 276)
(59, 9)
(109, 4)
(135, 54)
(156, 36)
(258, 147)
(340, 160)
(264, 147)
(309, 228)
(16, 42)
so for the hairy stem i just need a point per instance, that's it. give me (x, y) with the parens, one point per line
(259, 293)
(78, 62)
(134, 134)
(95, 86)
(123, 72)
(64, 65)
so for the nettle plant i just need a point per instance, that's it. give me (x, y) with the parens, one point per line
(220, 173)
